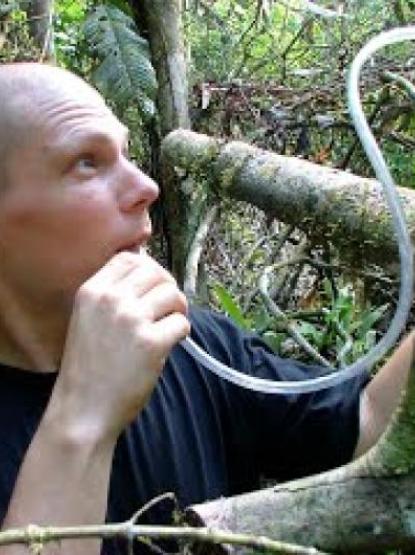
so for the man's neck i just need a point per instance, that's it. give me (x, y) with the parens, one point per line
(31, 339)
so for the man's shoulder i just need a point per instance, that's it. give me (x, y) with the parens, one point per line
(213, 323)
(217, 333)
(202, 315)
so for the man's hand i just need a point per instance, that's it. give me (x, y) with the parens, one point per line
(125, 321)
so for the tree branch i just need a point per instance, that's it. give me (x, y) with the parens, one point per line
(325, 203)
(37, 535)
(289, 326)
(195, 251)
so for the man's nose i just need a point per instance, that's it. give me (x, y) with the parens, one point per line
(135, 188)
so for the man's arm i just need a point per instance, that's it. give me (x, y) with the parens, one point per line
(126, 320)
(382, 395)
(63, 481)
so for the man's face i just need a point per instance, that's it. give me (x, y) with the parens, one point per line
(74, 199)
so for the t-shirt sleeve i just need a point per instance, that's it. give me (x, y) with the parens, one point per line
(284, 436)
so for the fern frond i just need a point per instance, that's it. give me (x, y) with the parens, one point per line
(125, 73)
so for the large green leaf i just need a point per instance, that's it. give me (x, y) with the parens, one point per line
(125, 73)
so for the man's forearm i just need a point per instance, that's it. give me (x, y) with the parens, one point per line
(63, 481)
(382, 395)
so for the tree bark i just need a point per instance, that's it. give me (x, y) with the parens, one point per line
(366, 506)
(40, 17)
(160, 21)
(192, 199)
(325, 203)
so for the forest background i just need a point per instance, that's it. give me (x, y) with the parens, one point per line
(272, 73)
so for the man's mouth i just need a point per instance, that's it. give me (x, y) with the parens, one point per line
(137, 244)
(135, 248)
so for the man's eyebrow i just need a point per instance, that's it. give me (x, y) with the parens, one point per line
(79, 138)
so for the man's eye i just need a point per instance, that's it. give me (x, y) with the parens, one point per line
(86, 163)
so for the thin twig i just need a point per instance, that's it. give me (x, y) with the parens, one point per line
(243, 264)
(251, 25)
(285, 235)
(286, 280)
(212, 14)
(34, 534)
(401, 139)
(318, 264)
(292, 280)
(383, 98)
(152, 503)
(289, 326)
(408, 87)
(143, 510)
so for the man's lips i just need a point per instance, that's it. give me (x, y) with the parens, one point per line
(133, 247)
(137, 243)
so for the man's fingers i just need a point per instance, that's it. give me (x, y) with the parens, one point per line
(118, 266)
(142, 279)
(171, 329)
(160, 301)
(128, 274)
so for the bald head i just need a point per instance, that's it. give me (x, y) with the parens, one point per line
(24, 90)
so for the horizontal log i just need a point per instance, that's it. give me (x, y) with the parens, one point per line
(337, 514)
(325, 203)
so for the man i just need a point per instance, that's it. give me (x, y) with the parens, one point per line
(90, 423)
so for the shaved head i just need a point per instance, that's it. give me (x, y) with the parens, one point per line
(24, 89)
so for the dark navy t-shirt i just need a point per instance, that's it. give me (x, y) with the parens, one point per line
(200, 437)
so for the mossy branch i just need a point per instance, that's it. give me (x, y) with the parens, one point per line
(327, 204)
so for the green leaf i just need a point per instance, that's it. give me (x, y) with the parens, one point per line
(369, 319)
(230, 306)
(125, 73)
(273, 340)
(312, 333)
(261, 320)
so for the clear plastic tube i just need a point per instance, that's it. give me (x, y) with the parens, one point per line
(405, 252)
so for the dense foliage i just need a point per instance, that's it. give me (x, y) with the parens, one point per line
(16, 43)
(280, 78)
(280, 83)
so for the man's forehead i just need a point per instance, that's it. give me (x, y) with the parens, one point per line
(71, 119)
(59, 97)
(35, 100)
(37, 83)
(76, 137)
